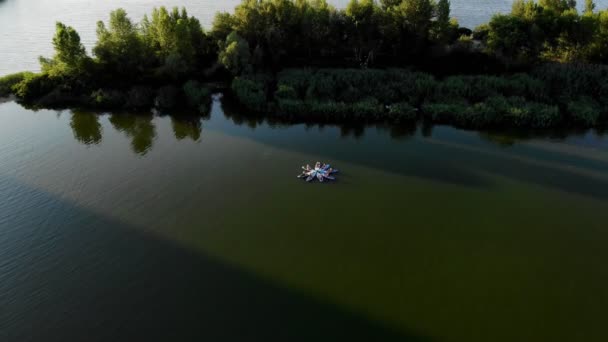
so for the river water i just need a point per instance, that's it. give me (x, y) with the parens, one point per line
(125, 227)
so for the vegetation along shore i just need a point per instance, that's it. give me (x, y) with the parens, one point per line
(542, 65)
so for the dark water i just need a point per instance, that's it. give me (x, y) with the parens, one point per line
(118, 227)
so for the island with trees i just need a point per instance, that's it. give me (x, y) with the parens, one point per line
(542, 65)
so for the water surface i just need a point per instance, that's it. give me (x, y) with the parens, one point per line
(130, 227)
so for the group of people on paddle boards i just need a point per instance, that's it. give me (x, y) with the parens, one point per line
(320, 172)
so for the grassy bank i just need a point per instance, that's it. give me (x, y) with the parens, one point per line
(550, 96)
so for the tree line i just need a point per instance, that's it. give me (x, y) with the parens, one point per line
(166, 59)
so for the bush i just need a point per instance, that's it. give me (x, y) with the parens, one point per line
(7, 82)
(291, 109)
(366, 110)
(544, 116)
(34, 86)
(285, 92)
(198, 96)
(401, 112)
(251, 92)
(584, 111)
(329, 110)
(567, 82)
(443, 112)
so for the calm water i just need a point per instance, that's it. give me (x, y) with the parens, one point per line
(118, 227)
(27, 26)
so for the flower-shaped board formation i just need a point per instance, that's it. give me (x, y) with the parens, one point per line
(321, 172)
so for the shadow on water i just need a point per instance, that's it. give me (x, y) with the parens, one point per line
(68, 274)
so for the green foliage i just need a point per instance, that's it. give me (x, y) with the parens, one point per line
(558, 6)
(551, 30)
(584, 111)
(235, 55)
(34, 86)
(589, 6)
(70, 56)
(176, 40)
(402, 112)
(9, 81)
(442, 26)
(251, 91)
(285, 92)
(567, 82)
(443, 112)
(496, 111)
(120, 48)
(519, 100)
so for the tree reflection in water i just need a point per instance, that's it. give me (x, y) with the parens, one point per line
(86, 127)
(138, 127)
(187, 127)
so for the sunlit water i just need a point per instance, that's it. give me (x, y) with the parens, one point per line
(27, 26)
(119, 227)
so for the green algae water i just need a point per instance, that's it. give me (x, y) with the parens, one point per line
(124, 227)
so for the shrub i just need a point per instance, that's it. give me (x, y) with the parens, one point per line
(251, 92)
(525, 86)
(544, 116)
(481, 32)
(291, 108)
(567, 82)
(443, 112)
(285, 92)
(584, 111)
(401, 112)
(329, 110)
(34, 86)
(7, 82)
(366, 110)
(297, 79)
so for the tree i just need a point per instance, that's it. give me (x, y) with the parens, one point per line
(388, 4)
(70, 55)
(120, 48)
(558, 6)
(363, 18)
(589, 6)
(527, 9)
(223, 25)
(442, 25)
(235, 54)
